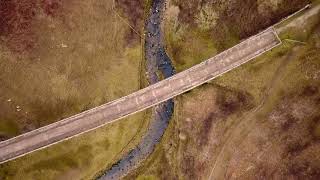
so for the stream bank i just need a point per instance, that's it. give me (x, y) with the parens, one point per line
(157, 61)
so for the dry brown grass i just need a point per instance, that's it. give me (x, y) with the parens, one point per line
(16, 24)
(198, 132)
(58, 58)
(241, 134)
(284, 146)
(134, 11)
(75, 61)
(245, 19)
(190, 41)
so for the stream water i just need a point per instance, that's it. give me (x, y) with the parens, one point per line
(156, 61)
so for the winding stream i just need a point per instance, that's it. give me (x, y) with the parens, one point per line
(157, 61)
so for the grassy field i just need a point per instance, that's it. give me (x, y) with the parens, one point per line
(79, 158)
(197, 30)
(76, 63)
(76, 55)
(61, 58)
(258, 121)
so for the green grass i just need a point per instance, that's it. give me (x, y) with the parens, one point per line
(55, 81)
(85, 155)
(156, 166)
(189, 50)
(10, 127)
(188, 45)
(147, 178)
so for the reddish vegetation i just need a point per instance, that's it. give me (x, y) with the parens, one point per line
(217, 104)
(243, 16)
(16, 22)
(51, 7)
(310, 91)
(243, 19)
(229, 102)
(188, 9)
(286, 146)
(206, 128)
(134, 12)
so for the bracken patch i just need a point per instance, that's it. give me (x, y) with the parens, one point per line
(245, 19)
(51, 7)
(17, 22)
(310, 91)
(206, 128)
(134, 12)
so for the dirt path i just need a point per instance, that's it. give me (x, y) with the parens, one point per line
(248, 121)
(240, 131)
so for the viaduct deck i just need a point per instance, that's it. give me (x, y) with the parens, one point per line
(140, 100)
